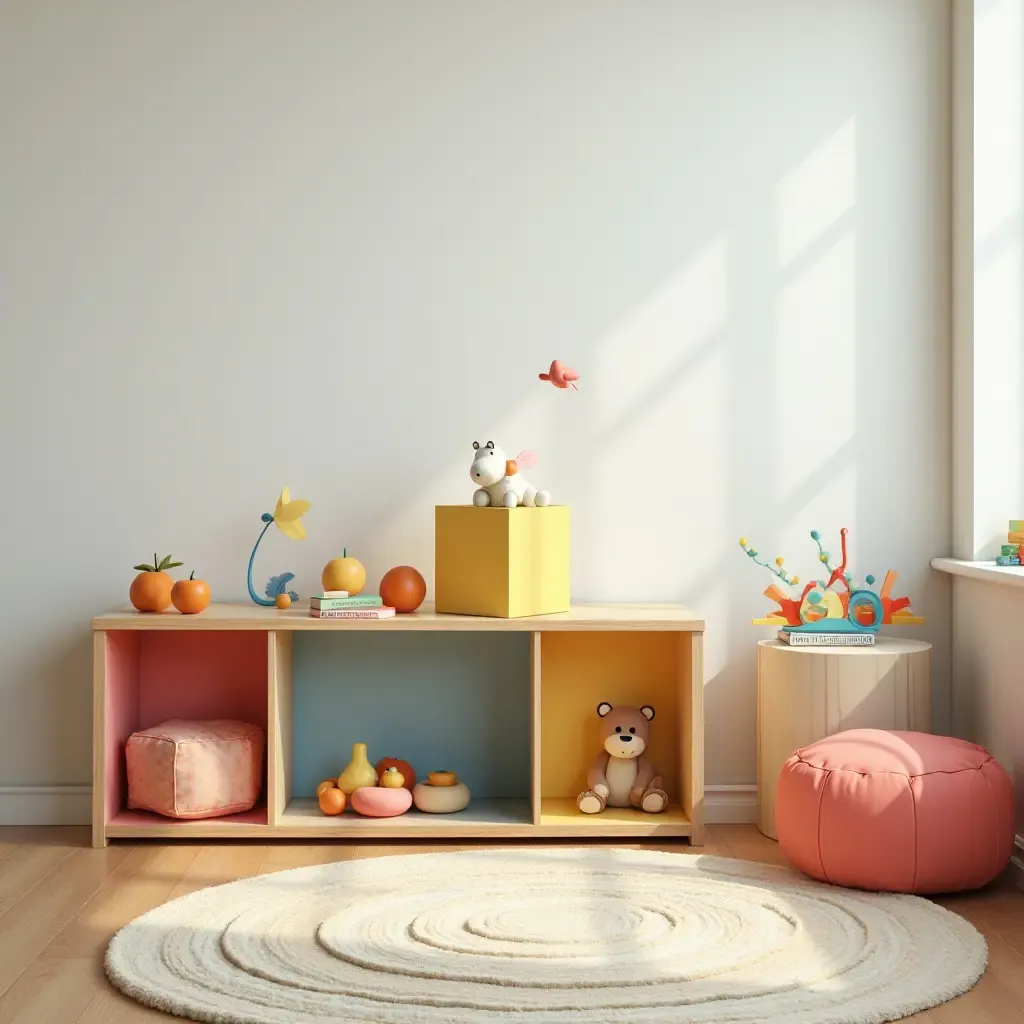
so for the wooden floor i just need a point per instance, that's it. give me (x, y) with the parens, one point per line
(61, 900)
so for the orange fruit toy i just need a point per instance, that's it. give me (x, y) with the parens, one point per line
(151, 589)
(190, 596)
(404, 769)
(403, 588)
(344, 573)
(332, 800)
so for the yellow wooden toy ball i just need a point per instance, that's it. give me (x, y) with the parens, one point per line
(283, 601)
(344, 573)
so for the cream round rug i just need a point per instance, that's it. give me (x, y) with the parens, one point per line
(544, 935)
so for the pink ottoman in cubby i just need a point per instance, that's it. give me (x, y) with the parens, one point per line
(896, 812)
(195, 769)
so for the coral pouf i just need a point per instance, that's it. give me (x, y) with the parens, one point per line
(896, 812)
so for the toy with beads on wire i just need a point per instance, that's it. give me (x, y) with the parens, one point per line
(835, 605)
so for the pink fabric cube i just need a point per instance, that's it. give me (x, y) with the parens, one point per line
(896, 812)
(195, 769)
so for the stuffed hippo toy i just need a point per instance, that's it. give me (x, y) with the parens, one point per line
(622, 775)
(499, 480)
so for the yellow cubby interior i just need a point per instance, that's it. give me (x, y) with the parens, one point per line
(581, 669)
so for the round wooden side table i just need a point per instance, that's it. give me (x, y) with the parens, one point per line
(807, 693)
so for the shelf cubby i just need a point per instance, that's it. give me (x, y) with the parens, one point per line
(144, 677)
(579, 670)
(443, 700)
(509, 704)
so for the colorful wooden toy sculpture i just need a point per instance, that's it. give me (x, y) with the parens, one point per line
(288, 516)
(837, 605)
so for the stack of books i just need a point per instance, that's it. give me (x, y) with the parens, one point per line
(337, 604)
(1009, 553)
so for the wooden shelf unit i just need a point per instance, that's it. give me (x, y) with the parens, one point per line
(527, 729)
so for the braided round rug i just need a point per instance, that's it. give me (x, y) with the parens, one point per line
(588, 936)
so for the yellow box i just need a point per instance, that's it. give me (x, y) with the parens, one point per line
(505, 562)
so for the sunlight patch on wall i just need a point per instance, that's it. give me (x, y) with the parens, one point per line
(641, 356)
(816, 193)
(998, 116)
(999, 418)
(815, 376)
(998, 339)
(660, 493)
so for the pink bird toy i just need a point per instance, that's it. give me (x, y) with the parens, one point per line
(561, 376)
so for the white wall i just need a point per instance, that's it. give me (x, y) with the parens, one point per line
(988, 692)
(329, 244)
(988, 346)
(988, 248)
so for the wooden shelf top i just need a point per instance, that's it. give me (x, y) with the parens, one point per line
(252, 617)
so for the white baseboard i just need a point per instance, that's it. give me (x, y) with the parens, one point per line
(45, 805)
(1017, 862)
(72, 805)
(730, 805)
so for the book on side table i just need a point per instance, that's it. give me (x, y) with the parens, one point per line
(797, 639)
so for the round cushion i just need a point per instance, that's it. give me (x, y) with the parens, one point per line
(441, 799)
(896, 812)
(381, 801)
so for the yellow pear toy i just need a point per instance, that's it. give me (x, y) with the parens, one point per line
(358, 773)
(392, 778)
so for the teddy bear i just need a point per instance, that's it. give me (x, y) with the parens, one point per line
(622, 776)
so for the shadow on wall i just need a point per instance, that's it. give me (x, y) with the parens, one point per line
(357, 265)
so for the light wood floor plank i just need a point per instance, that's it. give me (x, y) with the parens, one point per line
(52, 991)
(217, 864)
(986, 1003)
(746, 843)
(25, 868)
(146, 879)
(67, 976)
(11, 837)
(34, 921)
(209, 865)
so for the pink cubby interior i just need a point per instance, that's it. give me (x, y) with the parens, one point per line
(154, 675)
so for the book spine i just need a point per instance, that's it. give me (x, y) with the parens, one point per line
(369, 601)
(828, 639)
(352, 613)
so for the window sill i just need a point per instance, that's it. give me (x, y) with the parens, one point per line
(1008, 575)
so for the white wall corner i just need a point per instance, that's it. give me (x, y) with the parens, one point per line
(45, 805)
(962, 253)
(730, 805)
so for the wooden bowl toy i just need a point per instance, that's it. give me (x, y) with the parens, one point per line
(446, 795)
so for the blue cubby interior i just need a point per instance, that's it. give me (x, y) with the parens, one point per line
(448, 700)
